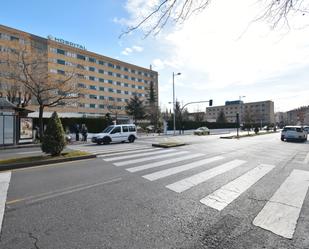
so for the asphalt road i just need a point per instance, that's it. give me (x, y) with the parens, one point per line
(139, 199)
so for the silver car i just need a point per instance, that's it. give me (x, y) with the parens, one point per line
(293, 133)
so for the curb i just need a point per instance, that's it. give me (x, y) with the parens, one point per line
(10, 147)
(12, 166)
(167, 146)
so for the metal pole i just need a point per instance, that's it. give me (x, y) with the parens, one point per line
(174, 107)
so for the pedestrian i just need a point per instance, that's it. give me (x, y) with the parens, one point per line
(84, 132)
(77, 132)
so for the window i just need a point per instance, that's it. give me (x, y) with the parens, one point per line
(60, 51)
(118, 91)
(110, 73)
(92, 78)
(101, 88)
(101, 97)
(92, 60)
(117, 129)
(92, 96)
(126, 69)
(118, 83)
(111, 90)
(81, 57)
(126, 92)
(110, 81)
(14, 38)
(140, 73)
(60, 72)
(111, 99)
(111, 65)
(125, 128)
(140, 87)
(101, 62)
(119, 99)
(126, 84)
(62, 62)
(81, 105)
(118, 75)
(92, 105)
(140, 80)
(118, 107)
(131, 128)
(81, 85)
(126, 77)
(92, 69)
(101, 80)
(93, 87)
(132, 71)
(101, 71)
(133, 86)
(101, 106)
(118, 67)
(132, 78)
(146, 74)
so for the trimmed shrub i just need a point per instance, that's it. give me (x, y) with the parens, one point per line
(53, 140)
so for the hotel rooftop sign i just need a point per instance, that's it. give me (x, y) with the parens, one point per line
(72, 44)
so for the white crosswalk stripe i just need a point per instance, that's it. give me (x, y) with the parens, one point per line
(128, 152)
(281, 212)
(118, 158)
(165, 162)
(229, 192)
(139, 160)
(194, 180)
(4, 185)
(172, 171)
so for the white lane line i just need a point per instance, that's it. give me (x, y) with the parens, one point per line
(29, 152)
(127, 152)
(138, 155)
(144, 159)
(194, 180)
(231, 191)
(165, 162)
(306, 159)
(113, 150)
(4, 185)
(172, 171)
(281, 212)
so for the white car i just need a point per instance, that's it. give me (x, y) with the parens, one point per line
(116, 133)
(293, 133)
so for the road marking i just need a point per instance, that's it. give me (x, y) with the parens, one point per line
(231, 191)
(65, 191)
(144, 159)
(127, 152)
(165, 162)
(29, 152)
(194, 180)
(4, 186)
(281, 212)
(110, 159)
(306, 159)
(172, 171)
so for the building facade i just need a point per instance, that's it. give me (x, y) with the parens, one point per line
(105, 84)
(261, 112)
(298, 116)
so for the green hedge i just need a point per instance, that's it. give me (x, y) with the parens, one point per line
(94, 125)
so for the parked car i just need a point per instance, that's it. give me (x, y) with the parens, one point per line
(201, 131)
(293, 133)
(116, 133)
(306, 129)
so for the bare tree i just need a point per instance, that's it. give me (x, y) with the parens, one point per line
(178, 11)
(28, 68)
(113, 106)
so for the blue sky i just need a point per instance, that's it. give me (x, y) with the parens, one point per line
(218, 54)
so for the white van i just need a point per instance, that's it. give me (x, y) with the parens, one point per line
(116, 133)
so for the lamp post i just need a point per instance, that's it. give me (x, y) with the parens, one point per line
(174, 104)
(240, 97)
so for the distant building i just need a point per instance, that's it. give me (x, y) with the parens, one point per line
(281, 118)
(298, 116)
(261, 112)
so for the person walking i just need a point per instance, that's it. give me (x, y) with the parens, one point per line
(84, 132)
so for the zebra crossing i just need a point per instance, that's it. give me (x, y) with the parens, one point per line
(110, 149)
(279, 215)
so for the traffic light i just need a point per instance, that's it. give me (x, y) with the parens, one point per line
(210, 102)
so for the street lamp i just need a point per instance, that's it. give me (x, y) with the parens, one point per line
(240, 97)
(174, 104)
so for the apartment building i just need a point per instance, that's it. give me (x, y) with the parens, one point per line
(261, 112)
(106, 84)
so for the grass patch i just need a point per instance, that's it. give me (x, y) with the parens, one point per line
(69, 154)
(250, 135)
